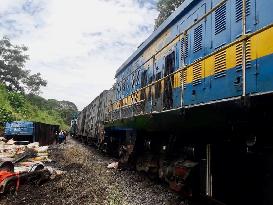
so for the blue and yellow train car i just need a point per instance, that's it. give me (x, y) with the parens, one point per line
(207, 51)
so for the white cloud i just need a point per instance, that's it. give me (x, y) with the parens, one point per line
(77, 45)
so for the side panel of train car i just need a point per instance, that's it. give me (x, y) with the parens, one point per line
(91, 120)
(31, 131)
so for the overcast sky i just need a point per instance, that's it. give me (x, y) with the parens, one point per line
(77, 45)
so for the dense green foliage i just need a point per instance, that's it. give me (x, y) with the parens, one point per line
(166, 8)
(18, 106)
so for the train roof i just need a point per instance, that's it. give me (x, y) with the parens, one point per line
(167, 23)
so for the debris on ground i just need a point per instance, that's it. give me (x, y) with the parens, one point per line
(113, 165)
(87, 180)
(21, 164)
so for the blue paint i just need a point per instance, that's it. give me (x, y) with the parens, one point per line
(23, 128)
(265, 74)
(211, 88)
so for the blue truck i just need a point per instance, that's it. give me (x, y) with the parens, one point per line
(31, 132)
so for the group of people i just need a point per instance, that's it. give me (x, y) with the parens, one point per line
(61, 136)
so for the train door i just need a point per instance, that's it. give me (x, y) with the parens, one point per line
(167, 94)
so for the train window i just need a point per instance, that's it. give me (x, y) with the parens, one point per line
(144, 78)
(169, 68)
(239, 9)
(158, 76)
(220, 19)
(198, 38)
(169, 63)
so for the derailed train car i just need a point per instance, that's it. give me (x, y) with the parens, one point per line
(28, 132)
(193, 104)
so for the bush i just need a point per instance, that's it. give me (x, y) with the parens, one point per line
(18, 102)
(5, 115)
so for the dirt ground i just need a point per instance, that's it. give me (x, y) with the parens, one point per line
(88, 181)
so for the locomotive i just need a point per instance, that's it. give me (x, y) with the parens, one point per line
(193, 104)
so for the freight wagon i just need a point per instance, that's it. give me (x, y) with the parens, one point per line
(193, 104)
(31, 132)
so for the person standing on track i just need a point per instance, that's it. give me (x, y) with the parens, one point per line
(61, 137)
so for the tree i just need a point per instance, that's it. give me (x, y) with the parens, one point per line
(166, 8)
(12, 61)
(34, 82)
(65, 109)
(12, 72)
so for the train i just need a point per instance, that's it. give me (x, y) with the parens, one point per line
(29, 131)
(192, 105)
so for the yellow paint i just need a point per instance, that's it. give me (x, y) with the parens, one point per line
(147, 91)
(129, 101)
(161, 85)
(176, 80)
(203, 69)
(189, 75)
(209, 66)
(231, 57)
(116, 105)
(121, 103)
(254, 47)
(262, 44)
(153, 90)
(137, 95)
